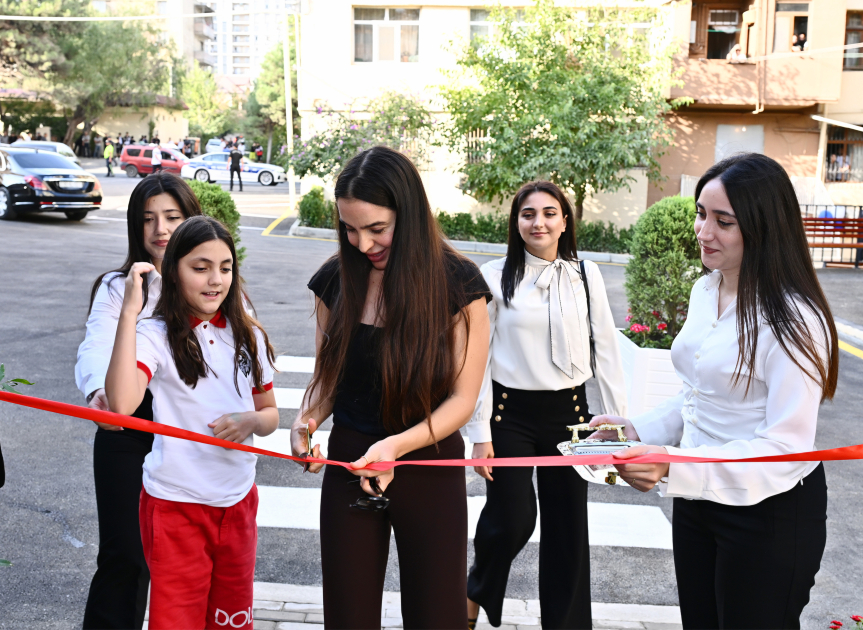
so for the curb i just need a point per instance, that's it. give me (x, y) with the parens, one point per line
(491, 249)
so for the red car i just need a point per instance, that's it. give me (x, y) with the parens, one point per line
(135, 160)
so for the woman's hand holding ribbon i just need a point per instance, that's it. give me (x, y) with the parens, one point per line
(641, 476)
(300, 443)
(384, 451)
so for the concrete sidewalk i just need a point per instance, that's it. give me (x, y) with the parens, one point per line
(290, 607)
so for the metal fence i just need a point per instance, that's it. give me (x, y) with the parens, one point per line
(842, 229)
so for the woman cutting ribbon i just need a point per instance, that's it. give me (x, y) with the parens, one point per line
(551, 330)
(757, 356)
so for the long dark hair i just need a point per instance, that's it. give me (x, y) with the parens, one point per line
(567, 247)
(417, 346)
(147, 188)
(776, 273)
(173, 309)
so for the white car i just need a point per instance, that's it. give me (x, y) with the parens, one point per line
(213, 167)
(44, 145)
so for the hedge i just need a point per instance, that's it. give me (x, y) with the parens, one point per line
(217, 203)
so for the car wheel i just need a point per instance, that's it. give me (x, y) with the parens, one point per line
(266, 178)
(7, 211)
(131, 171)
(202, 175)
(76, 216)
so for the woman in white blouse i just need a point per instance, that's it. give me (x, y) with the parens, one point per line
(118, 592)
(547, 309)
(757, 356)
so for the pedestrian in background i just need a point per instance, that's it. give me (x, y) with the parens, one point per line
(118, 591)
(108, 154)
(156, 159)
(757, 357)
(551, 330)
(86, 144)
(98, 146)
(401, 341)
(237, 161)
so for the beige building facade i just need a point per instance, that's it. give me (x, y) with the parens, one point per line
(788, 65)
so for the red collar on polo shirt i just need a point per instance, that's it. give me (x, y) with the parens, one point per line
(218, 320)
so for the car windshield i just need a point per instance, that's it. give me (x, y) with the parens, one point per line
(43, 160)
(41, 147)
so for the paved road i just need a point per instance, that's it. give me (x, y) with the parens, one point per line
(48, 523)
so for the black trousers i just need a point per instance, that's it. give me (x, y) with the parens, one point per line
(118, 592)
(428, 514)
(750, 566)
(239, 179)
(524, 424)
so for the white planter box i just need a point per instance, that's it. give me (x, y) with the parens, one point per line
(649, 375)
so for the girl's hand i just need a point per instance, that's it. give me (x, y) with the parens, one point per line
(628, 429)
(100, 402)
(133, 298)
(641, 476)
(235, 427)
(483, 450)
(383, 451)
(300, 443)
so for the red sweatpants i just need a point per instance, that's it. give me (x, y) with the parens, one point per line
(202, 562)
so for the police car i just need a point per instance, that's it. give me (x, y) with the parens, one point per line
(214, 167)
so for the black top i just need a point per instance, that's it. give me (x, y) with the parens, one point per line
(236, 156)
(357, 403)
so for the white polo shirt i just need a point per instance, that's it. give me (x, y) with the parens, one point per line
(190, 472)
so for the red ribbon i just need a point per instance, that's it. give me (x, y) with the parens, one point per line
(127, 422)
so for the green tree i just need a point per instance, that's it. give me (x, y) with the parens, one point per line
(666, 262)
(208, 113)
(573, 96)
(400, 121)
(266, 106)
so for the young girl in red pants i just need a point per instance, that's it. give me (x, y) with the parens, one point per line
(208, 365)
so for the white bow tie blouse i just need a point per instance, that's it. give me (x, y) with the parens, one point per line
(712, 418)
(541, 341)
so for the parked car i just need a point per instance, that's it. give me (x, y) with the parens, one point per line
(135, 160)
(44, 145)
(214, 145)
(214, 167)
(44, 181)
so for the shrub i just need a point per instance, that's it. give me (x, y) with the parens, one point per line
(596, 236)
(315, 211)
(665, 265)
(217, 203)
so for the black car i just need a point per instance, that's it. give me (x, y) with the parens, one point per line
(43, 181)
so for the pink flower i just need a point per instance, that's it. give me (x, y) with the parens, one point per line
(635, 328)
(656, 314)
(661, 326)
(856, 618)
(628, 317)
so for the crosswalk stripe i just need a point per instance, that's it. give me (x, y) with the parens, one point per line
(610, 524)
(303, 365)
(289, 397)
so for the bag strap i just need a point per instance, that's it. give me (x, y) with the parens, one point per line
(589, 324)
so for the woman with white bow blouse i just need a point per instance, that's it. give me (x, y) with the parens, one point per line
(548, 310)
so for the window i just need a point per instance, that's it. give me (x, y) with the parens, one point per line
(241, 61)
(239, 39)
(854, 35)
(162, 7)
(716, 27)
(386, 35)
(480, 26)
(844, 155)
(731, 139)
(792, 27)
(133, 152)
(723, 26)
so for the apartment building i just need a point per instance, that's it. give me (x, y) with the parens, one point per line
(756, 73)
(245, 32)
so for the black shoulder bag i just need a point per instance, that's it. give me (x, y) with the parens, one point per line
(589, 324)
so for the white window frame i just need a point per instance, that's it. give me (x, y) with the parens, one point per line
(487, 23)
(397, 35)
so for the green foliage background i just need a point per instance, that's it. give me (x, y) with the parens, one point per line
(666, 263)
(399, 121)
(217, 203)
(315, 211)
(575, 96)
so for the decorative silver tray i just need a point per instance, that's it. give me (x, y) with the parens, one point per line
(576, 447)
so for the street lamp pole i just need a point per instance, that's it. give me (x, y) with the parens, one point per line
(289, 107)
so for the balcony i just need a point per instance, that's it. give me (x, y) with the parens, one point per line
(204, 58)
(204, 30)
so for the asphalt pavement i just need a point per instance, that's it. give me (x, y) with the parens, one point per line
(48, 525)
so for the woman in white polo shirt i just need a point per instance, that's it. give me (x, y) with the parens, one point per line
(208, 364)
(118, 591)
(757, 356)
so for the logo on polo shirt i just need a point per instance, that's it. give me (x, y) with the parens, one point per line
(245, 363)
(237, 620)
